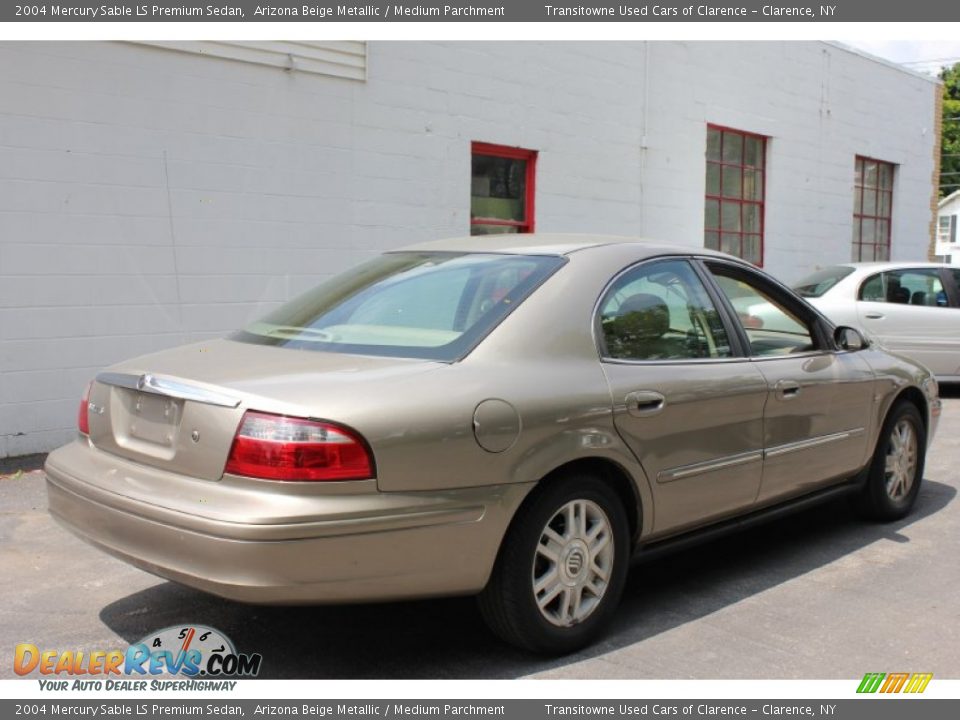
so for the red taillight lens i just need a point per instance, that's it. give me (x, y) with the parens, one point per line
(83, 419)
(275, 447)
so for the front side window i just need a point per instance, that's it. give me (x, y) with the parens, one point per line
(661, 311)
(916, 286)
(872, 210)
(418, 305)
(734, 204)
(771, 327)
(501, 189)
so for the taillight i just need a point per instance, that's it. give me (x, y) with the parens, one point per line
(276, 447)
(83, 419)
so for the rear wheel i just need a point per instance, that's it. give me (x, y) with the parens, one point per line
(562, 567)
(893, 480)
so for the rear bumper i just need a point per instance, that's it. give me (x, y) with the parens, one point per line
(266, 542)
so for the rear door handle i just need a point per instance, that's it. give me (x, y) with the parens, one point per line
(787, 389)
(874, 315)
(643, 403)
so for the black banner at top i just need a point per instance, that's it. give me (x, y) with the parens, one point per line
(240, 11)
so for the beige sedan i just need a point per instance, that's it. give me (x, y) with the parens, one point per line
(515, 417)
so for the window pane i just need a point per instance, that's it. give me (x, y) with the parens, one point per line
(874, 289)
(923, 287)
(498, 188)
(869, 174)
(713, 144)
(732, 177)
(711, 214)
(661, 311)
(751, 249)
(883, 232)
(858, 172)
(730, 216)
(870, 202)
(751, 218)
(858, 201)
(481, 229)
(868, 230)
(753, 152)
(711, 240)
(886, 176)
(713, 179)
(881, 253)
(732, 148)
(771, 328)
(883, 209)
(730, 243)
(753, 185)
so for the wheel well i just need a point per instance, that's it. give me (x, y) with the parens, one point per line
(618, 478)
(915, 397)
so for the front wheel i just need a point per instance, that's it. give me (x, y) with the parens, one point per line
(893, 480)
(562, 567)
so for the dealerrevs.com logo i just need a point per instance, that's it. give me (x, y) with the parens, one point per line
(894, 682)
(191, 651)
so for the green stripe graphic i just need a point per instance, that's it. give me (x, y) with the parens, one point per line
(871, 682)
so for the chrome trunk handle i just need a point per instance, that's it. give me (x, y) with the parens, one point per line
(168, 388)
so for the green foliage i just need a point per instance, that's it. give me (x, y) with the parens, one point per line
(950, 148)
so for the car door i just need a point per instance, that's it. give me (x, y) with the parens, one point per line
(908, 311)
(819, 399)
(687, 401)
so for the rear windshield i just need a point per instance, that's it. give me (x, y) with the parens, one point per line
(419, 305)
(816, 284)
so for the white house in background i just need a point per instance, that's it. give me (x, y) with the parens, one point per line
(948, 217)
(156, 193)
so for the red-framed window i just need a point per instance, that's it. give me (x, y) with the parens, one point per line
(734, 203)
(501, 189)
(872, 209)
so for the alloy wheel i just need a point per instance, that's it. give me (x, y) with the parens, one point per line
(573, 563)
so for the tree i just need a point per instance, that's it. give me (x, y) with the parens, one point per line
(950, 135)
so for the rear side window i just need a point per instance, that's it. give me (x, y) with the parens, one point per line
(818, 283)
(420, 305)
(915, 286)
(661, 311)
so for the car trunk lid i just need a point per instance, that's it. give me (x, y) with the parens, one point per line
(179, 409)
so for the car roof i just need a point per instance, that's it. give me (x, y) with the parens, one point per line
(875, 266)
(551, 244)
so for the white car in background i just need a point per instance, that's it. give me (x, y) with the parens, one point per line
(909, 308)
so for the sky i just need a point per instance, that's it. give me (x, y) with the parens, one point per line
(926, 56)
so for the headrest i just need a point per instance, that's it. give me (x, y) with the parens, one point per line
(646, 315)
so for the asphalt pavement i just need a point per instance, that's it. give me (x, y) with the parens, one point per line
(819, 595)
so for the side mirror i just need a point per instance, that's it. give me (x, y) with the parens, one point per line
(848, 338)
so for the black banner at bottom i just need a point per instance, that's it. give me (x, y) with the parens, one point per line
(868, 707)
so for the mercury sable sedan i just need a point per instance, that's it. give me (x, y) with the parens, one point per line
(514, 417)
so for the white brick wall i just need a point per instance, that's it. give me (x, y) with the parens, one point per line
(151, 197)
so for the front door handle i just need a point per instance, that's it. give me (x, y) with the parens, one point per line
(874, 315)
(787, 389)
(643, 403)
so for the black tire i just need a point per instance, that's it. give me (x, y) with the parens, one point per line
(889, 494)
(509, 602)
